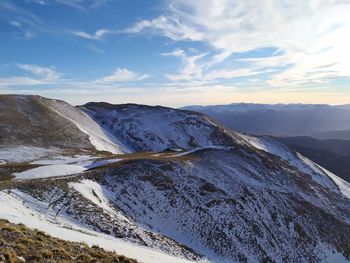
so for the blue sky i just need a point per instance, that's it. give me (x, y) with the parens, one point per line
(177, 52)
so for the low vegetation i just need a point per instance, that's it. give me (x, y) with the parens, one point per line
(21, 244)
(7, 170)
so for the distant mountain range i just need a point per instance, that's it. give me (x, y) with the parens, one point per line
(166, 185)
(321, 120)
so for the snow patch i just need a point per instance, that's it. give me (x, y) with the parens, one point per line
(19, 154)
(100, 138)
(344, 186)
(54, 170)
(50, 171)
(335, 257)
(295, 159)
(16, 207)
(93, 192)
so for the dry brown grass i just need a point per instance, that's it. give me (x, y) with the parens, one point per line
(162, 156)
(18, 243)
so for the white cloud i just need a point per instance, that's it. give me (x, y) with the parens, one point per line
(95, 49)
(23, 19)
(190, 69)
(15, 23)
(20, 81)
(312, 36)
(193, 70)
(44, 73)
(98, 35)
(122, 75)
(171, 28)
(34, 75)
(235, 73)
(82, 5)
(175, 53)
(37, 75)
(29, 35)
(39, 2)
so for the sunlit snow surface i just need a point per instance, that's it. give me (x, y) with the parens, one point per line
(99, 137)
(50, 171)
(303, 164)
(19, 154)
(18, 207)
(62, 168)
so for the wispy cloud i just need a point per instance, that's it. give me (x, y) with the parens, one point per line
(197, 69)
(309, 34)
(95, 49)
(122, 75)
(170, 27)
(27, 24)
(48, 74)
(15, 23)
(190, 70)
(98, 35)
(37, 76)
(80, 4)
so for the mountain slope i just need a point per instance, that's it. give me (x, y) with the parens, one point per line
(334, 155)
(229, 205)
(37, 121)
(191, 190)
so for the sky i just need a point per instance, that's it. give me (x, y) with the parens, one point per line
(177, 52)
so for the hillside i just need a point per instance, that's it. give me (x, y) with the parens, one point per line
(45, 123)
(333, 154)
(146, 128)
(188, 190)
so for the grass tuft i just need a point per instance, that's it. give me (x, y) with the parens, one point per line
(18, 241)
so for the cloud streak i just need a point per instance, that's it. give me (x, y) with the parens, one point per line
(39, 75)
(98, 35)
(310, 35)
(121, 75)
(47, 74)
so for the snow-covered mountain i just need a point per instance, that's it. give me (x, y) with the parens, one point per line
(47, 123)
(146, 128)
(218, 196)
